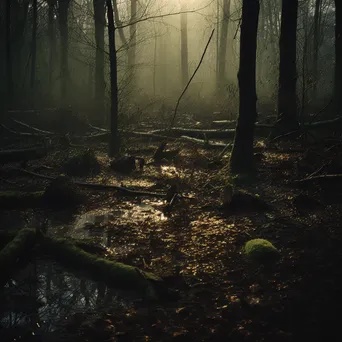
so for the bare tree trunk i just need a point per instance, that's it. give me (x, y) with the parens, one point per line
(132, 34)
(223, 46)
(217, 45)
(63, 9)
(52, 39)
(338, 57)
(287, 98)
(9, 55)
(272, 27)
(118, 23)
(33, 53)
(242, 160)
(99, 11)
(114, 138)
(316, 42)
(184, 47)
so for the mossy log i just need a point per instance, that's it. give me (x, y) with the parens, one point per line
(115, 274)
(20, 199)
(15, 251)
(21, 155)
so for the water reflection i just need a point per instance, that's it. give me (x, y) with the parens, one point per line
(43, 298)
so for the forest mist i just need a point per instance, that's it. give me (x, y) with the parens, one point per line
(155, 78)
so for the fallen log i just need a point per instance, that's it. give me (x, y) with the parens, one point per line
(20, 199)
(196, 133)
(203, 143)
(42, 132)
(113, 273)
(16, 251)
(223, 124)
(96, 186)
(22, 155)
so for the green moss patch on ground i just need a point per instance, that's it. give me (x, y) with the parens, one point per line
(261, 250)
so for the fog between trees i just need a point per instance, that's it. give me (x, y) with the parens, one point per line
(149, 54)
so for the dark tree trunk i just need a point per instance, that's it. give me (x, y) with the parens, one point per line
(52, 40)
(242, 160)
(316, 42)
(287, 97)
(184, 48)
(223, 46)
(132, 34)
(100, 12)
(63, 9)
(9, 55)
(338, 57)
(114, 139)
(33, 53)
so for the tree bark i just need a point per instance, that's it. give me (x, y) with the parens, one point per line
(114, 138)
(52, 39)
(63, 9)
(287, 98)
(223, 46)
(184, 47)
(338, 56)
(99, 11)
(242, 160)
(316, 42)
(9, 55)
(33, 53)
(132, 34)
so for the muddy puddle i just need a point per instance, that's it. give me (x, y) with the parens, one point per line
(43, 300)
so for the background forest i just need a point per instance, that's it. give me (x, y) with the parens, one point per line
(60, 55)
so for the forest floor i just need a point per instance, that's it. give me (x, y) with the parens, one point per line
(198, 249)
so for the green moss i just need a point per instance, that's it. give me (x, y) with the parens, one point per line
(20, 199)
(113, 273)
(261, 250)
(82, 163)
(15, 250)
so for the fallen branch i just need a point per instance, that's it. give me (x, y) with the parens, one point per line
(223, 124)
(33, 153)
(20, 199)
(33, 128)
(113, 273)
(16, 250)
(203, 143)
(98, 186)
(320, 178)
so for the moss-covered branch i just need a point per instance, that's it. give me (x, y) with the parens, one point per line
(15, 250)
(20, 199)
(114, 274)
